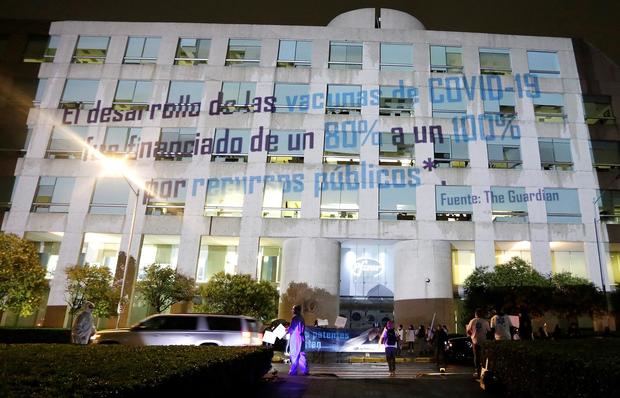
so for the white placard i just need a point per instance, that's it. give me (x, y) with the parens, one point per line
(269, 337)
(340, 322)
(280, 331)
(322, 322)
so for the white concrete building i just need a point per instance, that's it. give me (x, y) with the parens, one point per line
(403, 243)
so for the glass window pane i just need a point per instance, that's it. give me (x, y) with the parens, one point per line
(151, 47)
(343, 95)
(556, 99)
(512, 199)
(111, 191)
(125, 90)
(562, 151)
(290, 142)
(304, 51)
(438, 56)
(562, 201)
(185, 88)
(134, 47)
(401, 54)
(543, 62)
(93, 43)
(287, 50)
(453, 199)
(397, 197)
(80, 90)
(495, 59)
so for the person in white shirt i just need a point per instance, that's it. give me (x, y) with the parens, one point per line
(477, 329)
(500, 323)
(411, 337)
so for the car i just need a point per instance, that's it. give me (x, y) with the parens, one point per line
(186, 329)
(459, 349)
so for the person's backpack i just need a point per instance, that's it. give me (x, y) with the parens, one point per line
(391, 338)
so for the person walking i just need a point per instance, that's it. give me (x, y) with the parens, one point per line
(297, 343)
(389, 339)
(84, 325)
(477, 329)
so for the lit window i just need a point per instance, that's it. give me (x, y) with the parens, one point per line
(224, 198)
(176, 143)
(236, 147)
(453, 203)
(91, 50)
(549, 107)
(47, 245)
(614, 263)
(53, 195)
(191, 91)
(292, 97)
(452, 152)
(238, 96)
(192, 51)
(505, 251)
(158, 249)
(269, 263)
(110, 196)
(598, 109)
(50, 51)
(340, 201)
(36, 49)
(498, 103)
(494, 61)
(343, 99)
(398, 57)
(543, 63)
(290, 146)
(165, 197)
(217, 254)
(121, 141)
(243, 52)
(569, 261)
(132, 95)
(100, 250)
(280, 200)
(345, 55)
(609, 206)
(562, 205)
(396, 150)
(79, 94)
(448, 102)
(504, 153)
(142, 50)
(295, 53)
(555, 154)
(397, 202)
(446, 59)
(509, 204)
(605, 154)
(67, 142)
(463, 265)
(396, 101)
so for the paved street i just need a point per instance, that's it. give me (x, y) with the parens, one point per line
(371, 380)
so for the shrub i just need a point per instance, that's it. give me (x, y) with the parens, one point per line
(34, 336)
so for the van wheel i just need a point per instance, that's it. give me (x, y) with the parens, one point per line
(208, 345)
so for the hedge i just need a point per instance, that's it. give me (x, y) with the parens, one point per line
(566, 368)
(34, 336)
(103, 371)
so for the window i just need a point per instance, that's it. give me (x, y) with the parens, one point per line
(269, 263)
(446, 59)
(67, 142)
(396, 150)
(505, 251)
(396, 100)
(504, 153)
(543, 63)
(224, 198)
(110, 196)
(141, 50)
(342, 147)
(614, 263)
(234, 145)
(35, 49)
(295, 54)
(495, 61)
(555, 154)
(448, 102)
(38, 96)
(50, 52)
(397, 57)
(165, 197)
(562, 205)
(463, 265)
(237, 96)
(605, 154)
(189, 90)
(217, 254)
(122, 141)
(609, 206)
(47, 245)
(343, 99)
(345, 55)
(397, 202)
(192, 51)
(132, 95)
(280, 200)
(91, 50)
(340, 201)
(598, 109)
(509, 204)
(291, 97)
(224, 323)
(158, 249)
(549, 107)
(568, 261)
(176, 143)
(290, 146)
(7, 191)
(53, 195)
(453, 203)
(243, 52)
(498, 103)
(79, 94)
(452, 152)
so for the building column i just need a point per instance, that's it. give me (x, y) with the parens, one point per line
(315, 262)
(423, 282)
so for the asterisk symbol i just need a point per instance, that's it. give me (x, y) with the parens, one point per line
(429, 164)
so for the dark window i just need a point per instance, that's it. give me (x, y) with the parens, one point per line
(35, 49)
(224, 323)
(170, 323)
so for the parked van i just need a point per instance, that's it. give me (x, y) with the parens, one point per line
(186, 329)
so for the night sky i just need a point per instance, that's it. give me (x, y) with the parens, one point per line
(597, 21)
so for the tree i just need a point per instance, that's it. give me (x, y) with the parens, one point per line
(163, 286)
(239, 295)
(22, 278)
(95, 284)
(315, 302)
(573, 296)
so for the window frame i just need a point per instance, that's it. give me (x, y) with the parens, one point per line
(294, 63)
(340, 212)
(141, 59)
(451, 161)
(349, 65)
(230, 61)
(84, 59)
(490, 70)
(447, 68)
(505, 143)
(554, 164)
(184, 61)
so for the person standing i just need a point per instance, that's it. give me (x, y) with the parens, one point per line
(440, 338)
(411, 337)
(477, 329)
(525, 325)
(297, 343)
(500, 323)
(84, 325)
(389, 339)
(401, 339)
